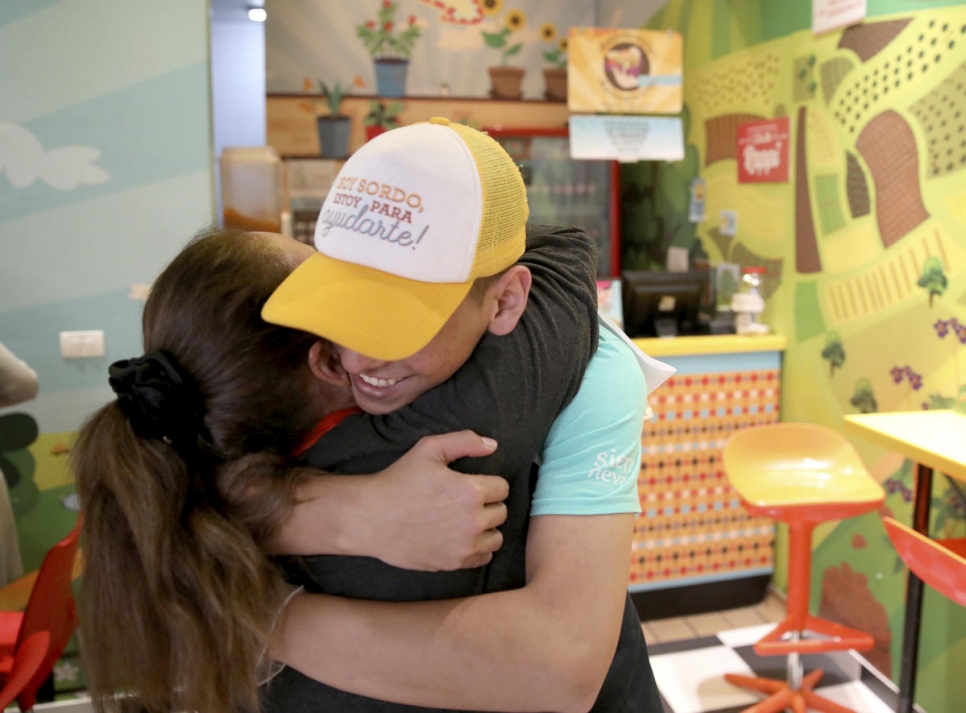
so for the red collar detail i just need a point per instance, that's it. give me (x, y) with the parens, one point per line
(324, 426)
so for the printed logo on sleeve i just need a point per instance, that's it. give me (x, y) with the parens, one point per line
(611, 470)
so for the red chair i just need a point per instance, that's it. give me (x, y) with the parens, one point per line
(939, 563)
(803, 475)
(50, 608)
(26, 664)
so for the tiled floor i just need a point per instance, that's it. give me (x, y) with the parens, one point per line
(662, 631)
(690, 656)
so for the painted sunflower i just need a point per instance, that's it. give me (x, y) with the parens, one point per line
(516, 20)
(562, 44)
(548, 33)
(491, 7)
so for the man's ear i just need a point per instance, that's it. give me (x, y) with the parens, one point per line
(510, 293)
(325, 365)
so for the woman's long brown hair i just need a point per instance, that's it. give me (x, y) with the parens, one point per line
(178, 601)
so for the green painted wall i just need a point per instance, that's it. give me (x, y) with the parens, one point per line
(865, 247)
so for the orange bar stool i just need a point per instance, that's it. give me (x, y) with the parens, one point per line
(802, 474)
(939, 563)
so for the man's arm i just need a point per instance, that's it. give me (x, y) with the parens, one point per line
(417, 513)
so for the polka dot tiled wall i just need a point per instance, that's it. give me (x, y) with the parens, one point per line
(693, 526)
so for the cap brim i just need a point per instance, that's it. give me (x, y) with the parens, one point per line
(366, 310)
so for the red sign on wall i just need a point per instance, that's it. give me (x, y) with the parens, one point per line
(763, 151)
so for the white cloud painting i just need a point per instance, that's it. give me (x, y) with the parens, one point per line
(24, 161)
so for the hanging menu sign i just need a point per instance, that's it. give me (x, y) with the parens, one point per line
(624, 71)
(627, 138)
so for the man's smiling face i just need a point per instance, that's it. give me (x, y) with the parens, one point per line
(381, 387)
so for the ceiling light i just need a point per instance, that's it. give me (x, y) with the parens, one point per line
(257, 14)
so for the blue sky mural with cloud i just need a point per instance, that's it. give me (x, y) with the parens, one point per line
(105, 172)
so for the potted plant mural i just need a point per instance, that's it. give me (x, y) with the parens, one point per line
(381, 117)
(390, 46)
(334, 128)
(506, 82)
(555, 76)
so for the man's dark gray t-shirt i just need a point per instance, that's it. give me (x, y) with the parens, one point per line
(511, 389)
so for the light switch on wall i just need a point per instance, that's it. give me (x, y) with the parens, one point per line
(78, 345)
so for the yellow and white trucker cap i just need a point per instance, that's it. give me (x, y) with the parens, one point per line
(413, 218)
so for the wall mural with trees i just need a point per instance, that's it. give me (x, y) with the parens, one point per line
(865, 248)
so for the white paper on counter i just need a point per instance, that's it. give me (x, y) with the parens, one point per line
(655, 372)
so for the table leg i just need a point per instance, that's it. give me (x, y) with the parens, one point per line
(914, 588)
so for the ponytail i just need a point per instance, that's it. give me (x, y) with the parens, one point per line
(181, 479)
(178, 600)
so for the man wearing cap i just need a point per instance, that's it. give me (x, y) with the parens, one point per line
(414, 220)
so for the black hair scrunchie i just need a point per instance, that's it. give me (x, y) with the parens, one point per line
(159, 398)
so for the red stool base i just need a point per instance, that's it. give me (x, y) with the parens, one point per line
(839, 637)
(780, 696)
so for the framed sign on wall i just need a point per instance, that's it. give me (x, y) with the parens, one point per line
(763, 151)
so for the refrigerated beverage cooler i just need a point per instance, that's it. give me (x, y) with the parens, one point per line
(564, 191)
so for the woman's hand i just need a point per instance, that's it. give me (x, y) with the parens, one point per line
(416, 514)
